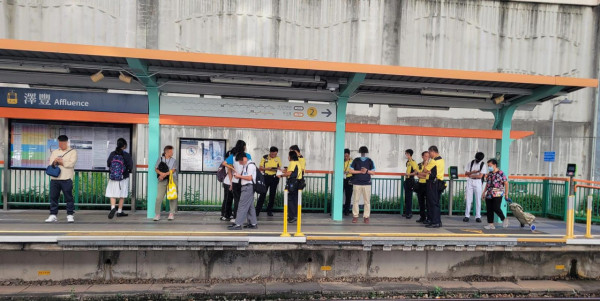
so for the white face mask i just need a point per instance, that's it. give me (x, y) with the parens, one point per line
(490, 168)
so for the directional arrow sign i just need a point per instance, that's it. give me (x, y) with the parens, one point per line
(328, 113)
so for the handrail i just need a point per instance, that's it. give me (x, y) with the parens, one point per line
(585, 186)
(587, 181)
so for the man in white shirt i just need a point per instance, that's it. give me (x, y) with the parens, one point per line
(65, 158)
(245, 209)
(475, 170)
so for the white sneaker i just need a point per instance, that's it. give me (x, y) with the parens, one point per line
(505, 223)
(489, 227)
(70, 219)
(51, 219)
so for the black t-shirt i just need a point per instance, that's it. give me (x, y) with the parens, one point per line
(362, 179)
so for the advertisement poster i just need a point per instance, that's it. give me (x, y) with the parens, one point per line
(32, 143)
(201, 154)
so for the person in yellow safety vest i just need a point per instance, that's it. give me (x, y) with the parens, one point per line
(347, 182)
(435, 185)
(294, 172)
(421, 190)
(301, 159)
(409, 183)
(269, 164)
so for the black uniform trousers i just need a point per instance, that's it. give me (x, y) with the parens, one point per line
(271, 182)
(348, 195)
(433, 199)
(409, 188)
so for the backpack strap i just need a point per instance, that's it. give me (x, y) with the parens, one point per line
(472, 162)
(481, 166)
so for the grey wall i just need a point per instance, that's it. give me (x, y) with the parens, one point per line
(496, 36)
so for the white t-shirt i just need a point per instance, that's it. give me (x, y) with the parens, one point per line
(227, 181)
(249, 169)
(481, 167)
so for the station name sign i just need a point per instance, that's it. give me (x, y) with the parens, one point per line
(73, 100)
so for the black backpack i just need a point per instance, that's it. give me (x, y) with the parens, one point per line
(162, 167)
(259, 185)
(480, 168)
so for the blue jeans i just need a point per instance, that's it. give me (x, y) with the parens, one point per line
(66, 186)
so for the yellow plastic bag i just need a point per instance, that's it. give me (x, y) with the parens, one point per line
(171, 188)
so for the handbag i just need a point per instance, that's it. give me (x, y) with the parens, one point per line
(162, 167)
(292, 186)
(497, 192)
(53, 170)
(171, 188)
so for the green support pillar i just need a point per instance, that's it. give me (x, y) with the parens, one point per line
(140, 69)
(503, 121)
(340, 140)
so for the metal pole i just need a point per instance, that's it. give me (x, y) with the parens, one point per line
(588, 226)
(299, 225)
(450, 197)
(570, 218)
(552, 138)
(285, 214)
(6, 172)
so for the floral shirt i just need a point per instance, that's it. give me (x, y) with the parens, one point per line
(495, 180)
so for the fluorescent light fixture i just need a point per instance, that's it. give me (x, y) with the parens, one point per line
(456, 93)
(96, 77)
(62, 88)
(251, 81)
(124, 78)
(319, 102)
(419, 107)
(181, 95)
(115, 91)
(7, 85)
(295, 101)
(35, 68)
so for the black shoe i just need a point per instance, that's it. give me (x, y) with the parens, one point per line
(291, 221)
(434, 226)
(122, 214)
(420, 220)
(346, 213)
(223, 219)
(403, 214)
(466, 219)
(234, 227)
(409, 216)
(249, 226)
(478, 220)
(270, 213)
(112, 212)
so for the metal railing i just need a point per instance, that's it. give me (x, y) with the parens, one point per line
(544, 197)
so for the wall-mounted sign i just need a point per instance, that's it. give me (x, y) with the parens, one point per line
(73, 100)
(197, 154)
(243, 108)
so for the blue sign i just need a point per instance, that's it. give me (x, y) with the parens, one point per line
(73, 100)
(549, 156)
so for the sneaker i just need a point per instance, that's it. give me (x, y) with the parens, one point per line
(156, 218)
(434, 226)
(51, 219)
(366, 220)
(490, 227)
(420, 220)
(250, 226)
(234, 227)
(505, 223)
(466, 219)
(355, 220)
(223, 218)
(409, 216)
(122, 214)
(112, 212)
(478, 220)
(171, 217)
(291, 220)
(232, 220)
(270, 213)
(70, 219)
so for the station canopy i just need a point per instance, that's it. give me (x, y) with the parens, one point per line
(49, 65)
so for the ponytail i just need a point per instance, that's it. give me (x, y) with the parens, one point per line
(121, 144)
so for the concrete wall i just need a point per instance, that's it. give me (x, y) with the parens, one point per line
(292, 264)
(497, 36)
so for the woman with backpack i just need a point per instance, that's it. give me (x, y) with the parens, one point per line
(235, 167)
(163, 167)
(120, 165)
(294, 174)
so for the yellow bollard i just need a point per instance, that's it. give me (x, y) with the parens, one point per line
(570, 218)
(285, 214)
(588, 226)
(299, 230)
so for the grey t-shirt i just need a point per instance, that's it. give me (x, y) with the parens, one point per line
(172, 163)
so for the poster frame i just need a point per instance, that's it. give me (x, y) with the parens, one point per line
(68, 123)
(198, 139)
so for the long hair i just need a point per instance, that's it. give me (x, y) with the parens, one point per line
(240, 146)
(293, 156)
(121, 144)
(168, 147)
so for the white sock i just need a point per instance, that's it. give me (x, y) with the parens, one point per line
(112, 207)
(120, 210)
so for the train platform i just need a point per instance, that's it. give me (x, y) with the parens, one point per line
(389, 230)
